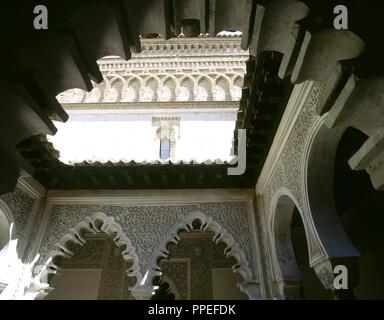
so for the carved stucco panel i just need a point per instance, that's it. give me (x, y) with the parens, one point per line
(32, 244)
(147, 226)
(289, 174)
(20, 205)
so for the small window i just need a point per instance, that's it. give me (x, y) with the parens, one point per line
(165, 149)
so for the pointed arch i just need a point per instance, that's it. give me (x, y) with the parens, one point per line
(237, 85)
(233, 248)
(151, 89)
(152, 78)
(318, 186)
(289, 274)
(133, 77)
(223, 88)
(200, 77)
(113, 88)
(286, 267)
(204, 83)
(237, 77)
(97, 222)
(187, 88)
(169, 88)
(166, 76)
(135, 85)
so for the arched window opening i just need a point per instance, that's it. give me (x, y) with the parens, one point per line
(299, 279)
(96, 271)
(198, 269)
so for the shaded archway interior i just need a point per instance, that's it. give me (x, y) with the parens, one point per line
(360, 208)
(300, 280)
(198, 270)
(96, 271)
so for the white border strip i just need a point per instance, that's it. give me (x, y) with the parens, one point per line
(148, 197)
(295, 105)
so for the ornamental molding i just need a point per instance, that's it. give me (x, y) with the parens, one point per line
(233, 248)
(176, 65)
(171, 121)
(131, 107)
(147, 197)
(158, 219)
(187, 47)
(95, 223)
(148, 224)
(31, 187)
(315, 248)
(170, 70)
(161, 86)
(280, 175)
(295, 105)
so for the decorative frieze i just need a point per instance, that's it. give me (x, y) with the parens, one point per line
(20, 205)
(209, 69)
(148, 228)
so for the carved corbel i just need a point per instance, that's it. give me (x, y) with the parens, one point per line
(360, 105)
(325, 50)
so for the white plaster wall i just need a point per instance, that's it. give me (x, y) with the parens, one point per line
(107, 135)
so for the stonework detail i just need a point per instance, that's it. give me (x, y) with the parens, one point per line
(288, 176)
(100, 252)
(149, 227)
(95, 223)
(202, 254)
(289, 173)
(170, 70)
(20, 205)
(233, 247)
